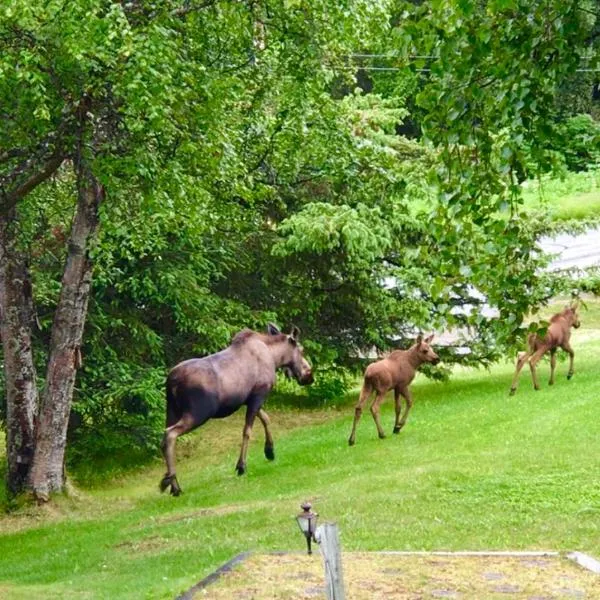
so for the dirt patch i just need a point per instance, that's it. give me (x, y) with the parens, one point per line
(152, 543)
(214, 511)
(379, 576)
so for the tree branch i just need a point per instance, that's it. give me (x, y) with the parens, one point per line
(11, 197)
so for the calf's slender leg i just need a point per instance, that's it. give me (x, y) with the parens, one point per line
(552, 365)
(409, 402)
(398, 407)
(375, 407)
(264, 419)
(523, 357)
(533, 361)
(567, 348)
(185, 424)
(365, 392)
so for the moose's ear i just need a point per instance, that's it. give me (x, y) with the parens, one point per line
(419, 339)
(295, 335)
(273, 329)
(429, 338)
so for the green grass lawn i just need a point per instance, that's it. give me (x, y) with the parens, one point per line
(473, 469)
(576, 196)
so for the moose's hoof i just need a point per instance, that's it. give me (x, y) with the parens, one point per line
(351, 442)
(269, 453)
(536, 388)
(382, 436)
(397, 429)
(512, 392)
(165, 482)
(175, 489)
(240, 469)
(552, 382)
(569, 375)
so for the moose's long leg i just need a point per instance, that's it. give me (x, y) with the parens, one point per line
(264, 419)
(365, 392)
(567, 348)
(523, 357)
(185, 424)
(375, 412)
(533, 361)
(251, 413)
(409, 402)
(552, 365)
(398, 406)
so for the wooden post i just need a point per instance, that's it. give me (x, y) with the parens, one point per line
(327, 536)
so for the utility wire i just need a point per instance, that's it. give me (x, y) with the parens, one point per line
(412, 58)
(420, 70)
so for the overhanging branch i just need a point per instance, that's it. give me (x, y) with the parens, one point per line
(10, 197)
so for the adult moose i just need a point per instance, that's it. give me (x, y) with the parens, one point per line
(215, 386)
(395, 371)
(557, 336)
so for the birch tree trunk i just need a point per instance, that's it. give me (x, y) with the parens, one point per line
(47, 473)
(16, 315)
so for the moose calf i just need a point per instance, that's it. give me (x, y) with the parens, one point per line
(395, 371)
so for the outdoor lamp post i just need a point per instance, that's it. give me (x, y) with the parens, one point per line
(307, 521)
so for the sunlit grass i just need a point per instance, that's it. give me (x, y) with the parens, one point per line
(473, 469)
(576, 196)
(572, 196)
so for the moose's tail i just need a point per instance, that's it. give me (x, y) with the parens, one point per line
(173, 412)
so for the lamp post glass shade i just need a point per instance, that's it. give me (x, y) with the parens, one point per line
(307, 521)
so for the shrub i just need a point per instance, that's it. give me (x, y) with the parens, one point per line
(580, 142)
(125, 416)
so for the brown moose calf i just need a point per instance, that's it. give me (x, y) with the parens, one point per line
(396, 371)
(557, 336)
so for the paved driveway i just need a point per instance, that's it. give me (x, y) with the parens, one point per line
(573, 251)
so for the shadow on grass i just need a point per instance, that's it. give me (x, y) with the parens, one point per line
(102, 470)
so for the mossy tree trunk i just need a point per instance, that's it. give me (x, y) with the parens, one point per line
(47, 473)
(16, 315)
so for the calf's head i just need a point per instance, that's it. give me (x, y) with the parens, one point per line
(426, 353)
(572, 316)
(293, 362)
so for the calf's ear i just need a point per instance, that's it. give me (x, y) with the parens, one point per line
(419, 339)
(429, 338)
(273, 329)
(295, 335)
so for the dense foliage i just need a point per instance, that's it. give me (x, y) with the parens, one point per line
(252, 174)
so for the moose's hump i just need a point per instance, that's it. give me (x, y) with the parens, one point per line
(247, 336)
(242, 337)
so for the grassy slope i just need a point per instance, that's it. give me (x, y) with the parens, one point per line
(473, 469)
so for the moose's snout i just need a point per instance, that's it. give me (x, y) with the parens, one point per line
(306, 378)
(436, 360)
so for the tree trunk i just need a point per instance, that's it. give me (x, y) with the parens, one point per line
(47, 473)
(16, 315)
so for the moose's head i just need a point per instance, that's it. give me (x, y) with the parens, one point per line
(425, 351)
(293, 362)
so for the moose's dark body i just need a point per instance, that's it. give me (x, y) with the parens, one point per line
(215, 386)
